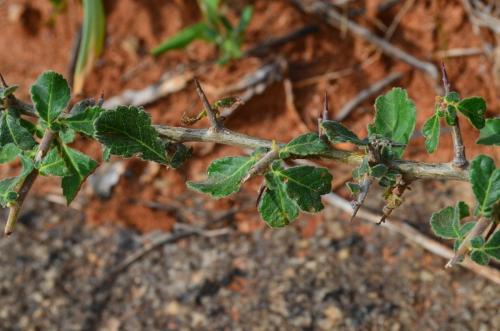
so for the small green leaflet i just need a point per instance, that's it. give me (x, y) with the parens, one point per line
(452, 97)
(9, 186)
(379, 170)
(395, 118)
(305, 185)
(182, 38)
(275, 207)
(8, 153)
(446, 222)
(225, 176)
(180, 154)
(480, 257)
(451, 115)
(11, 131)
(430, 131)
(5, 92)
(50, 95)
(306, 144)
(490, 134)
(492, 247)
(485, 179)
(53, 165)
(477, 242)
(127, 131)
(337, 133)
(83, 121)
(67, 135)
(474, 109)
(80, 166)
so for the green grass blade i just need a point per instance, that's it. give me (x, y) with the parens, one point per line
(92, 44)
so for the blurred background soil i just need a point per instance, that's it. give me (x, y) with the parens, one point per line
(58, 269)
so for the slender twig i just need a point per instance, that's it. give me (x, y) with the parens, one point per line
(397, 19)
(337, 20)
(414, 236)
(263, 47)
(215, 125)
(365, 94)
(2, 80)
(478, 229)
(459, 52)
(324, 115)
(27, 183)
(459, 159)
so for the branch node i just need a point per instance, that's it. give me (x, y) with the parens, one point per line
(212, 116)
(262, 164)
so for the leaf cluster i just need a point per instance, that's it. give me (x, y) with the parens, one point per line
(215, 28)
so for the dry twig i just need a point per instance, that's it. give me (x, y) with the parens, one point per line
(337, 20)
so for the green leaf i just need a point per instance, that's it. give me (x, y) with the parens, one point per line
(180, 154)
(474, 109)
(430, 131)
(490, 134)
(83, 122)
(395, 118)
(353, 188)
(80, 166)
(67, 135)
(363, 168)
(379, 170)
(225, 176)
(182, 38)
(477, 242)
(11, 131)
(92, 42)
(127, 131)
(50, 95)
(305, 185)
(53, 165)
(246, 17)
(452, 97)
(275, 207)
(337, 133)
(492, 247)
(446, 222)
(106, 154)
(8, 193)
(485, 179)
(306, 144)
(8, 153)
(5, 92)
(9, 186)
(451, 115)
(480, 257)
(465, 228)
